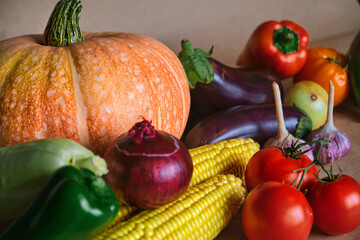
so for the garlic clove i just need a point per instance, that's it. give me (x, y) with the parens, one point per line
(339, 144)
(339, 141)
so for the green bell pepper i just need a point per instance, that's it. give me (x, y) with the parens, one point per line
(25, 168)
(74, 204)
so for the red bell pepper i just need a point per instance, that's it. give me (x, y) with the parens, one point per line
(282, 46)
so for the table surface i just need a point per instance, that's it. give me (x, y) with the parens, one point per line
(347, 119)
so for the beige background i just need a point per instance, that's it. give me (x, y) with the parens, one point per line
(225, 23)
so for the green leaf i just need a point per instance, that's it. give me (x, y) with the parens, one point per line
(304, 126)
(196, 64)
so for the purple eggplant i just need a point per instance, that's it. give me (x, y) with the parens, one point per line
(258, 122)
(215, 86)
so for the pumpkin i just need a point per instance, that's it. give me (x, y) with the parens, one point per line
(88, 87)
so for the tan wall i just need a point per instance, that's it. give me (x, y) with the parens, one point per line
(225, 23)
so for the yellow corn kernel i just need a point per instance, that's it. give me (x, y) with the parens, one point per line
(228, 156)
(200, 213)
(125, 212)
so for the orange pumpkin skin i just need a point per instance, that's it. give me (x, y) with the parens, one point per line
(91, 91)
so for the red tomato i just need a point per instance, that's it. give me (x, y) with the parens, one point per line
(275, 210)
(336, 205)
(270, 164)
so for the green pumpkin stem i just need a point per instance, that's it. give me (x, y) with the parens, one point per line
(63, 28)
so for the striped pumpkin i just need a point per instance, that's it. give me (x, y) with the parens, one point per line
(88, 87)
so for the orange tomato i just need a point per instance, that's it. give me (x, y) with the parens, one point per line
(325, 64)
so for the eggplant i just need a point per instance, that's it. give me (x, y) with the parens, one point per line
(258, 122)
(215, 86)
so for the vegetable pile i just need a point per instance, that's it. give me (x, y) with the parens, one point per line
(296, 137)
(98, 143)
(294, 198)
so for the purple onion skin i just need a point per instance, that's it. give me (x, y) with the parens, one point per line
(339, 144)
(233, 86)
(150, 174)
(258, 122)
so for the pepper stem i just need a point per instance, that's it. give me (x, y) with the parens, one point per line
(63, 28)
(286, 40)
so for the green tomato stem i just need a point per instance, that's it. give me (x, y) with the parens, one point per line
(303, 175)
(316, 160)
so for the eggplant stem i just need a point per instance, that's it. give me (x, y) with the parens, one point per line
(187, 48)
(196, 64)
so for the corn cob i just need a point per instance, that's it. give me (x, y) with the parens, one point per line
(228, 156)
(200, 213)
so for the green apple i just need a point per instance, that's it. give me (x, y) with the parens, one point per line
(310, 97)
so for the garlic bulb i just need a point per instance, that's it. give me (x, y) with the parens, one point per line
(339, 141)
(284, 138)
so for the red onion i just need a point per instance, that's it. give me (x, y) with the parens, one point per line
(339, 141)
(148, 168)
(284, 138)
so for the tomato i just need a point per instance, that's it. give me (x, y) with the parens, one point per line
(275, 210)
(270, 164)
(336, 205)
(325, 64)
